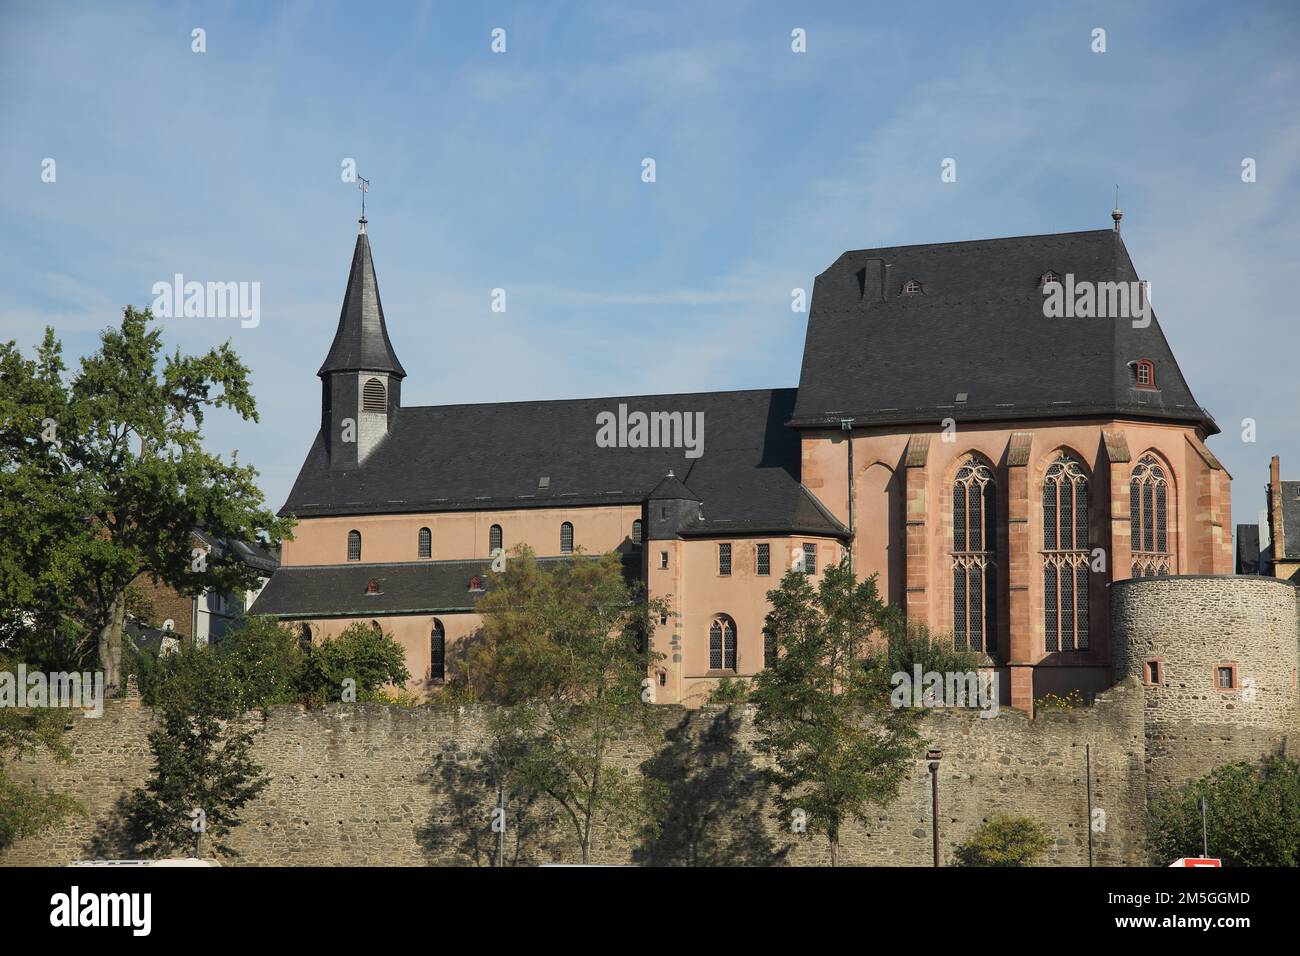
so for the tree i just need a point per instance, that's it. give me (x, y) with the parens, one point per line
(1004, 841)
(363, 654)
(203, 776)
(105, 478)
(823, 710)
(568, 646)
(1252, 816)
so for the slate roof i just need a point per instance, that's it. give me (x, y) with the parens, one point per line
(481, 457)
(1248, 549)
(978, 328)
(255, 556)
(411, 587)
(361, 341)
(1290, 520)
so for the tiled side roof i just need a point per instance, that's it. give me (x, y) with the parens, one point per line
(978, 329)
(482, 457)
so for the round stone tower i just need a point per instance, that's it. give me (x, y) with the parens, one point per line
(1217, 657)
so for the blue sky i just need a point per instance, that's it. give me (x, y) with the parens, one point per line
(522, 171)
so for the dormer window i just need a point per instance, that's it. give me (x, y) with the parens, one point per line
(475, 584)
(1145, 372)
(911, 287)
(1047, 277)
(372, 586)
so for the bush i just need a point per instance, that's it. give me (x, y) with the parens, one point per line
(730, 690)
(912, 643)
(1252, 817)
(1004, 841)
(362, 654)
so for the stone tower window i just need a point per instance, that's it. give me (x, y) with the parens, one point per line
(374, 397)
(1225, 676)
(426, 543)
(722, 644)
(974, 547)
(354, 545)
(566, 538)
(1148, 508)
(1065, 555)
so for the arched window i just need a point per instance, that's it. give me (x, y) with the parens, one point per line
(437, 652)
(354, 545)
(1065, 555)
(426, 543)
(974, 546)
(494, 539)
(374, 397)
(1144, 371)
(1148, 504)
(566, 538)
(304, 637)
(722, 644)
(636, 531)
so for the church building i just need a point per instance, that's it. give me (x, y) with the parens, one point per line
(995, 462)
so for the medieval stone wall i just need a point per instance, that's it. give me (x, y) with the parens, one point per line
(1190, 627)
(375, 784)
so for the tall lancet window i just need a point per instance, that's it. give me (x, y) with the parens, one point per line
(1065, 555)
(1148, 504)
(974, 564)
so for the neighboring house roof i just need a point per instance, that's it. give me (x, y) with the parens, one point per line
(1290, 521)
(481, 457)
(255, 556)
(1248, 549)
(978, 327)
(361, 341)
(411, 587)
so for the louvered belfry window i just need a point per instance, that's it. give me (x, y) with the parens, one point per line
(722, 644)
(974, 551)
(1148, 508)
(373, 396)
(1065, 555)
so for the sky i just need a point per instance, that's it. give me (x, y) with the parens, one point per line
(522, 170)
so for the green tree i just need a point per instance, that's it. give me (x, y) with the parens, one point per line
(363, 654)
(1252, 816)
(203, 776)
(824, 713)
(567, 645)
(103, 478)
(1004, 841)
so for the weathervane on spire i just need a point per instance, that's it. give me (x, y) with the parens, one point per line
(1116, 214)
(364, 185)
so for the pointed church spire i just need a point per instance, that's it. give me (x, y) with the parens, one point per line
(361, 342)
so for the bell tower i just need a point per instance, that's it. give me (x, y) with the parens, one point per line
(361, 378)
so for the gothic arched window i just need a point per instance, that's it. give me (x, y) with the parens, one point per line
(722, 644)
(566, 538)
(1065, 555)
(974, 567)
(494, 539)
(354, 545)
(437, 652)
(1148, 508)
(426, 543)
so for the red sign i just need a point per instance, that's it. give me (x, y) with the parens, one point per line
(1197, 861)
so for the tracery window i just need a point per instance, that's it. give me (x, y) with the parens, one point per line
(1065, 555)
(974, 565)
(722, 644)
(1148, 508)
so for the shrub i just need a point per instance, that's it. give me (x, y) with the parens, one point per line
(363, 654)
(730, 690)
(1004, 841)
